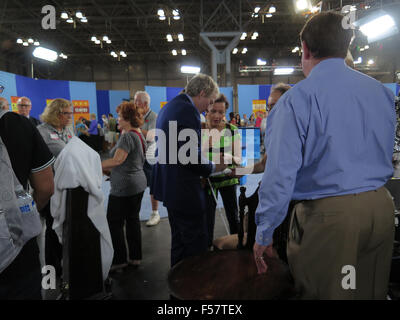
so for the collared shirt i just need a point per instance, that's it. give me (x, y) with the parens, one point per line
(331, 134)
(55, 140)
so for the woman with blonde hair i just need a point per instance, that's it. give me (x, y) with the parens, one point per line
(56, 133)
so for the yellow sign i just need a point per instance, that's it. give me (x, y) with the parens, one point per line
(14, 104)
(81, 109)
(162, 104)
(259, 106)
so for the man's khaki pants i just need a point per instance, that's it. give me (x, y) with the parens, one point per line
(341, 247)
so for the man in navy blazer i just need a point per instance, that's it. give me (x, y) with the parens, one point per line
(176, 181)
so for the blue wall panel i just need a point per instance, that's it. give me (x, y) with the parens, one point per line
(41, 90)
(116, 98)
(246, 95)
(7, 80)
(103, 104)
(157, 95)
(172, 92)
(84, 91)
(264, 91)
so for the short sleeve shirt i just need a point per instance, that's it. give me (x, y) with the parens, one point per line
(128, 178)
(25, 146)
(54, 139)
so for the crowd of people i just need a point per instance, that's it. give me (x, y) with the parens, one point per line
(328, 149)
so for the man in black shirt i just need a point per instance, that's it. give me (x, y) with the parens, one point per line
(31, 160)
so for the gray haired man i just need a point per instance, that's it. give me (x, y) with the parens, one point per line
(142, 99)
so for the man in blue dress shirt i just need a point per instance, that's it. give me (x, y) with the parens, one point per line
(329, 143)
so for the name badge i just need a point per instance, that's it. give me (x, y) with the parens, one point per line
(54, 136)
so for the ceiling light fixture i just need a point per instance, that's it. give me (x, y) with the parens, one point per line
(190, 69)
(64, 15)
(183, 52)
(174, 52)
(283, 71)
(180, 37)
(45, 54)
(272, 9)
(235, 51)
(79, 15)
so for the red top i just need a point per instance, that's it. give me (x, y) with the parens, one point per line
(258, 122)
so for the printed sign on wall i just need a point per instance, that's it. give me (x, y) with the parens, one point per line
(81, 109)
(14, 104)
(162, 104)
(259, 106)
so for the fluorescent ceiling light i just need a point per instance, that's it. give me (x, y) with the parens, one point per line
(272, 9)
(175, 12)
(283, 71)
(36, 43)
(371, 61)
(84, 20)
(381, 27)
(25, 44)
(235, 51)
(302, 5)
(97, 41)
(113, 53)
(160, 12)
(268, 15)
(70, 20)
(79, 15)
(161, 17)
(169, 38)
(180, 37)
(174, 52)
(244, 50)
(19, 41)
(358, 61)
(64, 15)
(30, 40)
(105, 38)
(177, 17)
(45, 54)
(256, 9)
(108, 41)
(190, 69)
(261, 62)
(93, 38)
(183, 52)
(244, 35)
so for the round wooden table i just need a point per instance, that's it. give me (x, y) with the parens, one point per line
(229, 275)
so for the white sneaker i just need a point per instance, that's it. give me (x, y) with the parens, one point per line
(154, 219)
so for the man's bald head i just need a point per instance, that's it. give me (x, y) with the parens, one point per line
(24, 106)
(4, 105)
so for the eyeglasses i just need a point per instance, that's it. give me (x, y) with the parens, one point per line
(1, 88)
(67, 113)
(23, 105)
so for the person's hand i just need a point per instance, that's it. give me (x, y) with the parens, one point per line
(107, 172)
(258, 251)
(240, 172)
(221, 166)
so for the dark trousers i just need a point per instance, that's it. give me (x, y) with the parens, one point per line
(53, 250)
(188, 234)
(125, 211)
(229, 200)
(22, 279)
